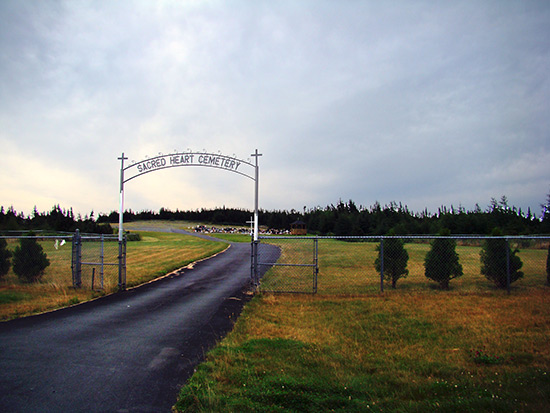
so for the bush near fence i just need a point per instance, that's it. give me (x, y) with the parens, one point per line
(58, 248)
(347, 264)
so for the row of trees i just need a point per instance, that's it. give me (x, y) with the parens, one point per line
(57, 219)
(29, 260)
(344, 218)
(441, 263)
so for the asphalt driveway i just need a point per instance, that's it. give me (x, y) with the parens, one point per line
(128, 352)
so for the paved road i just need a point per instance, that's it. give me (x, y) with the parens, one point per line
(129, 352)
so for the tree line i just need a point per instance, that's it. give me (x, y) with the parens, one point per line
(55, 220)
(341, 219)
(346, 218)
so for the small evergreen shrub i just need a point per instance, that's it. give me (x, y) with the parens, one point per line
(395, 259)
(133, 236)
(5, 256)
(29, 260)
(441, 262)
(493, 261)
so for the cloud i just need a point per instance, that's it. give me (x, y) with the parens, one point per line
(47, 183)
(417, 102)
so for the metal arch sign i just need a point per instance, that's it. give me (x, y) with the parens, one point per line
(211, 160)
(228, 163)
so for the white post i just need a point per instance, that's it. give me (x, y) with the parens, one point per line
(257, 179)
(121, 208)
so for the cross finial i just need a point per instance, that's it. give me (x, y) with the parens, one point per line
(256, 155)
(122, 159)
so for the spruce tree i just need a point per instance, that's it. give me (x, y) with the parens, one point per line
(441, 262)
(29, 260)
(5, 256)
(493, 261)
(395, 259)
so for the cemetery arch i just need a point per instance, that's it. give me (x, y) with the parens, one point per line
(177, 159)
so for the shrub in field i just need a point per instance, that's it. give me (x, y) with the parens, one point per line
(441, 262)
(29, 260)
(493, 261)
(395, 259)
(482, 357)
(5, 256)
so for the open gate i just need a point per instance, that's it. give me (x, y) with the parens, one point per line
(179, 159)
(295, 271)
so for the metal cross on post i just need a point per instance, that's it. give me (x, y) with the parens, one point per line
(121, 209)
(121, 247)
(251, 222)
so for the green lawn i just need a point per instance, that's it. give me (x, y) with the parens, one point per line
(413, 349)
(410, 352)
(348, 267)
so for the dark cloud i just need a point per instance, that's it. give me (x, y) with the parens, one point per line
(420, 102)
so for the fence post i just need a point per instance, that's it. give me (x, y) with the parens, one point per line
(381, 265)
(102, 259)
(77, 260)
(508, 265)
(253, 260)
(316, 262)
(255, 274)
(256, 245)
(122, 264)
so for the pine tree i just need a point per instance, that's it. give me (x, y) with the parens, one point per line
(441, 262)
(395, 259)
(5, 256)
(493, 261)
(29, 260)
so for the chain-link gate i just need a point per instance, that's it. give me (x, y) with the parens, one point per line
(98, 262)
(295, 271)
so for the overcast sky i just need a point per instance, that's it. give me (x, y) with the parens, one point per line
(427, 103)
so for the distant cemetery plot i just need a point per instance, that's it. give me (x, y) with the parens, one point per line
(204, 229)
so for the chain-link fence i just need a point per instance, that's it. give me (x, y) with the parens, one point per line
(64, 259)
(362, 265)
(294, 268)
(97, 262)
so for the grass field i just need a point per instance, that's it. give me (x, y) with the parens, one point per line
(414, 349)
(157, 254)
(348, 267)
(185, 225)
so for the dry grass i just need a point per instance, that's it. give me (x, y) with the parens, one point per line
(160, 253)
(348, 267)
(414, 349)
(157, 254)
(399, 352)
